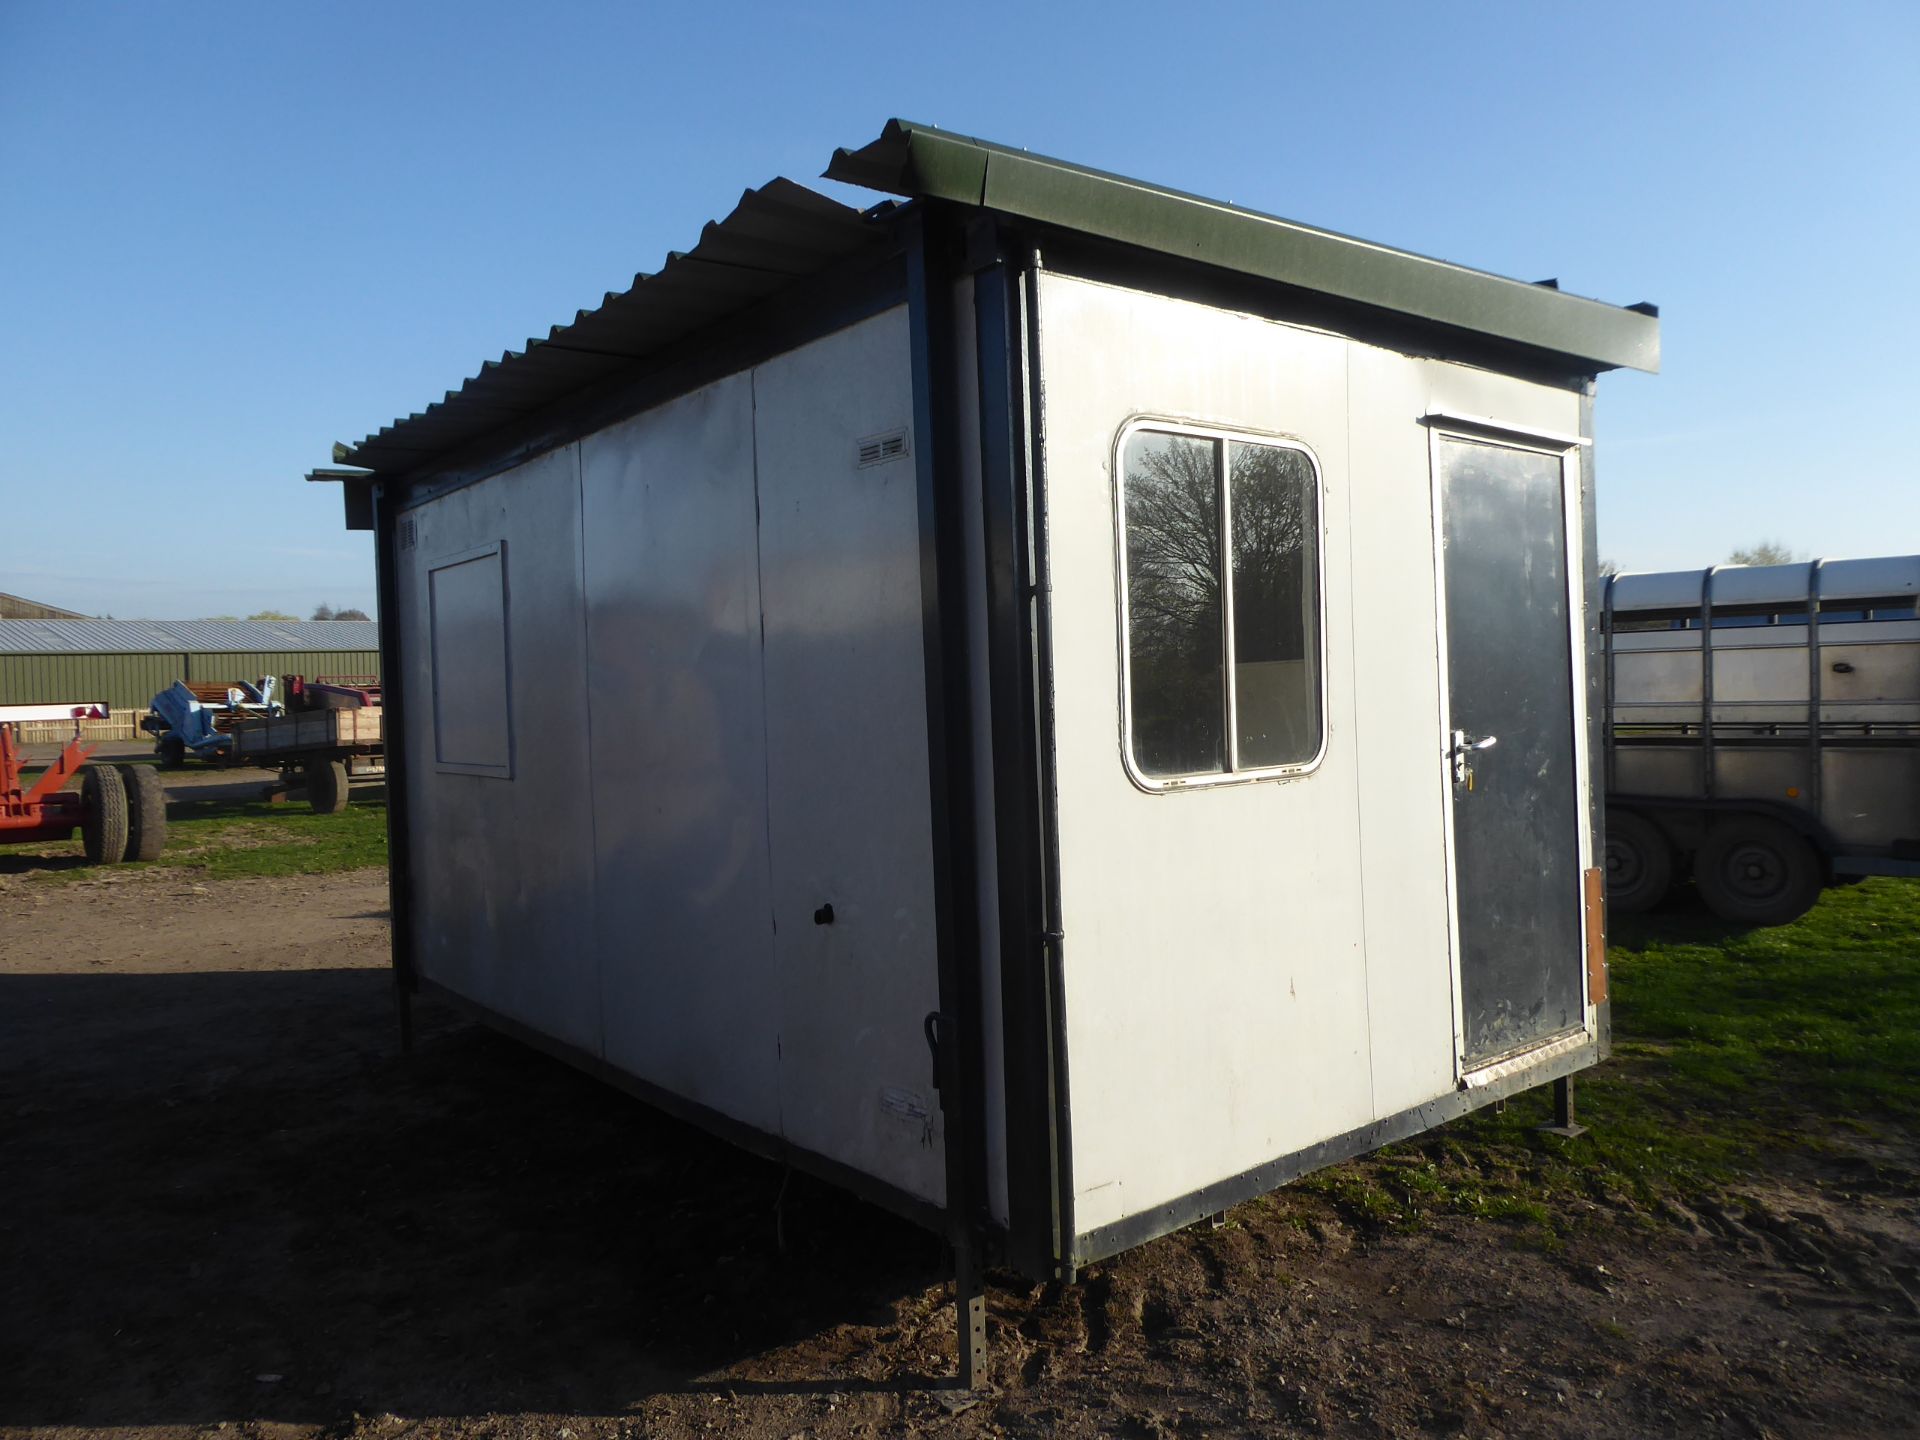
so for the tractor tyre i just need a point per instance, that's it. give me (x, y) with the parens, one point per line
(103, 830)
(146, 812)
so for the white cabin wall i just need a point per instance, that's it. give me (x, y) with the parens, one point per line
(725, 605)
(503, 864)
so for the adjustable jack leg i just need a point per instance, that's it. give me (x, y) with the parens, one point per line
(1563, 1121)
(970, 1312)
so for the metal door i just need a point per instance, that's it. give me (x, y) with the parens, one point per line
(1511, 747)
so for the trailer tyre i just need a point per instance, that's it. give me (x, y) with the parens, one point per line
(327, 786)
(146, 812)
(1639, 863)
(173, 751)
(103, 830)
(1755, 871)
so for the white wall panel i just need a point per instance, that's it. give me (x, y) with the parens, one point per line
(1398, 723)
(847, 780)
(1216, 985)
(503, 863)
(679, 793)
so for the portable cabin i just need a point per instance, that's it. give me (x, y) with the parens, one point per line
(1059, 704)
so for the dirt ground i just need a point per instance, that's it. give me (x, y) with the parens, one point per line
(229, 1207)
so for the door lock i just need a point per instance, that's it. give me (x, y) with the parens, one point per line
(1461, 752)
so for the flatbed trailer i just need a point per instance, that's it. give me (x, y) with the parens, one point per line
(323, 752)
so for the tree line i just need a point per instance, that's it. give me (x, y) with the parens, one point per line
(320, 612)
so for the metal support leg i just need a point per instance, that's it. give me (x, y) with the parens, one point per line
(1563, 1121)
(970, 1313)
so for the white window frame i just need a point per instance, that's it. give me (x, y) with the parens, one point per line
(1221, 436)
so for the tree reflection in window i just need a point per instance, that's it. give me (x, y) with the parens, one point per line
(1175, 642)
(1276, 671)
(1178, 598)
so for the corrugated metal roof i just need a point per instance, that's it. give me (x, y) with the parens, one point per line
(784, 232)
(777, 234)
(99, 637)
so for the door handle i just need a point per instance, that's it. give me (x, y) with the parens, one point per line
(1461, 753)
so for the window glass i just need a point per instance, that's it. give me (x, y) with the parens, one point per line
(1276, 669)
(1175, 647)
(1222, 560)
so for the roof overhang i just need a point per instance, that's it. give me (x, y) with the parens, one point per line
(922, 162)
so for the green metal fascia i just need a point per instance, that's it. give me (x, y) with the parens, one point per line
(916, 160)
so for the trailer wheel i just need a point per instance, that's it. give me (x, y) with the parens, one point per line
(1755, 871)
(327, 786)
(146, 812)
(1639, 863)
(173, 752)
(103, 830)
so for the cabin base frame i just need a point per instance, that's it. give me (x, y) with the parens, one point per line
(1109, 1240)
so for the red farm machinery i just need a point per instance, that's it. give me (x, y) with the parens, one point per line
(119, 810)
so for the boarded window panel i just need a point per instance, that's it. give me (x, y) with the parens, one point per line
(1276, 619)
(1175, 642)
(472, 705)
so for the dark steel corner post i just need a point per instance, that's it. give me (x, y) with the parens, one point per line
(406, 980)
(1028, 935)
(932, 264)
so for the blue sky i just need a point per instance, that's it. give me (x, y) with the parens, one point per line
(231, 234)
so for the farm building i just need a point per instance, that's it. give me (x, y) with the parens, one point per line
(1054, 703)
(18, 607)
(126, 662)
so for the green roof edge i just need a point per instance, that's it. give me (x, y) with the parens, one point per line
(923, 162)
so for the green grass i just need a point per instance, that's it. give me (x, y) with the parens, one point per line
(224, 839)
(1732, 1050)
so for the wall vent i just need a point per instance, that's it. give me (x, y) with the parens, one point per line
(407, 535)
(879, 449)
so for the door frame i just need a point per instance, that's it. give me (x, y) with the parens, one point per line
(1442, 426)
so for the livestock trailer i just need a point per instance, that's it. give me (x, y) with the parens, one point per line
(1763, 731)
(1056, 703)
